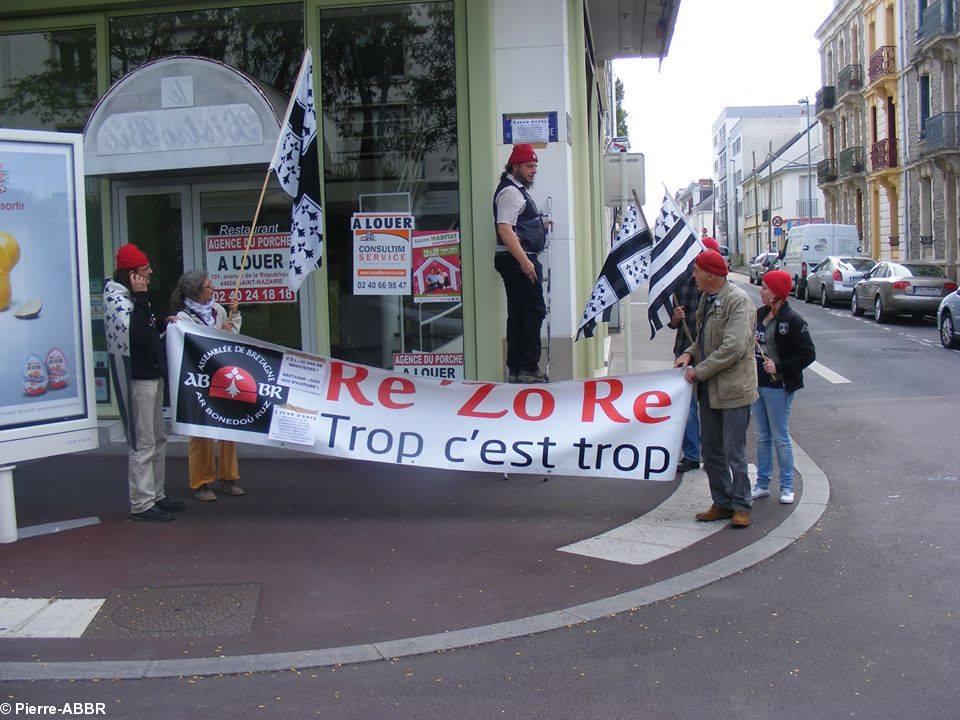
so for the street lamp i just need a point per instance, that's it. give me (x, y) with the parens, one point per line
(806, 102)
(736, 229)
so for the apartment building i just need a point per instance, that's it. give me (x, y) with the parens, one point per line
(696, 202)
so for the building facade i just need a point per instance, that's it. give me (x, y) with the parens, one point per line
(931, 32)
(743, 138)
(696, 202)
(181, 105)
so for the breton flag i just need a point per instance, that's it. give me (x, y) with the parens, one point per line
(623, 271)
(675, 246)
(297, 167)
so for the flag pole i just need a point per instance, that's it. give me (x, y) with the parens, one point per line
(246, 246)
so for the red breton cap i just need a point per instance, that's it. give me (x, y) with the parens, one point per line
(130, 257)
(522, 153)
(778, 282)
(710, 244)
(712, 262)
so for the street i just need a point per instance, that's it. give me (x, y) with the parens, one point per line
(857, 618)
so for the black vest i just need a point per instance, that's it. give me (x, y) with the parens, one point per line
(529, 227)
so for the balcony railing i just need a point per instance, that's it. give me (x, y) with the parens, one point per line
(883, 62)
(826, 171)
(826, 98)
(883, 155)
(850, 79)
(802, 206)
(937, 19)
(940, 133)
(850, 161)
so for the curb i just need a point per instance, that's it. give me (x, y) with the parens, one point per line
(809, 509)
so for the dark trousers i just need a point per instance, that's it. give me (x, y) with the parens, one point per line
(525, 312)
(723, 445)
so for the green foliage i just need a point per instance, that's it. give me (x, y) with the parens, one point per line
(618, 92)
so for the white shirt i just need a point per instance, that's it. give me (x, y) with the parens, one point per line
(510, 203)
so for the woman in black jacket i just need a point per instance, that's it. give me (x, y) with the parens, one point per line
(783, 350)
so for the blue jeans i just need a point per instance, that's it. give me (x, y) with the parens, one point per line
(771, 411)
(691, 433)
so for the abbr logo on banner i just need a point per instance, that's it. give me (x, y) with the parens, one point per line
(228, 385)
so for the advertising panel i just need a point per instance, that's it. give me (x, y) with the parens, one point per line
(381, 253)
(437, 276)
(264, 269)
(46, 368)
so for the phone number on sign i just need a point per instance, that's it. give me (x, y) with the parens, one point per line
(381, 285)
(256, 295)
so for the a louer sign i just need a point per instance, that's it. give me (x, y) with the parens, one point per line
(232, 387)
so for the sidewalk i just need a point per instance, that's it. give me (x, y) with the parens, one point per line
(332, 561)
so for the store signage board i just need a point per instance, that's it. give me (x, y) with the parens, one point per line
(381, 253)
(262, 272)
(437, 274)
(535, 128)
(47, 396)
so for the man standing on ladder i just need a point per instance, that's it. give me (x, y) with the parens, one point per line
(521, 236)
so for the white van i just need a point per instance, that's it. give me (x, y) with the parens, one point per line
(807, 245)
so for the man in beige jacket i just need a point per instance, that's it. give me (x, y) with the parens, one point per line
(721, 363)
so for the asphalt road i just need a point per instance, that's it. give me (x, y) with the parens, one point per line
(859, 618)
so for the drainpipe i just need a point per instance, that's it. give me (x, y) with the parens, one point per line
(905, 131)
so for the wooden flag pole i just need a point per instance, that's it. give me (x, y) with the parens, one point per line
(686, 328)
(246, 247)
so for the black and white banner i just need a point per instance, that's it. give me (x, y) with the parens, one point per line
(623, 271)
(297, 166)
(231, 387)
(675, 246)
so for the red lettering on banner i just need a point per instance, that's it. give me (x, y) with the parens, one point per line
(653, 399)
(591, 401)
(469, 408)
(520, 404)
(395, 386)
(352, 383)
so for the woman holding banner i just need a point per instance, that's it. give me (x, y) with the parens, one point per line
(193, 302)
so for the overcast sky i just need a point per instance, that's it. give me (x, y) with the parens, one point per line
(738, 52)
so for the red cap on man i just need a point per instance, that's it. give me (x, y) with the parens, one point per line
(712, 262)
(710, 244)
(522, 153)
(130, 257)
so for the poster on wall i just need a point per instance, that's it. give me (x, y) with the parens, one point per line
(381, 253)
(443, 366)
(437, 276)
(46, 374)
(264, 269)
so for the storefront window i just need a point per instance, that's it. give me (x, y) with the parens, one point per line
(264, 41)
(388, 92)
(48, 80)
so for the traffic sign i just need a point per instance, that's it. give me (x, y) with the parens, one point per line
(777, 221)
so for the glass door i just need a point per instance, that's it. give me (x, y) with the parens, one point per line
(388, 97)
(156, 220)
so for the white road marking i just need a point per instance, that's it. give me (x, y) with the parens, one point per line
(43, 618)
(668, 528)
(828, 374)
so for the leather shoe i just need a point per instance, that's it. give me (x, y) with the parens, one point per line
(687, 464)
(154, 514)
(715, 513)
(170, 505)
(741, 519)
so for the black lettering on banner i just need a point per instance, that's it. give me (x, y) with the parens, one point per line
(648, 468)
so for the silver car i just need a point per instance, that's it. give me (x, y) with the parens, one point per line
(761, 264)
(948, 320)
(899, 288)
(833, 279)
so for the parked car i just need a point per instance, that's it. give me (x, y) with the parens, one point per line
(761, 264)
(898, 288)
(808, 245)
(833, 279)
(948, 317)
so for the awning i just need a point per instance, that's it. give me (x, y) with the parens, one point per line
(631, 28)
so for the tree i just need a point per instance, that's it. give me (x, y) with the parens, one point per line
(618, 91)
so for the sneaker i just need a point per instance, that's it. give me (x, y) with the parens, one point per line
(786, 497)
(686, 465)
(170, 505)
(154, 514)
(205, 494)
(230, 487)
(759, 492)
(532, 376)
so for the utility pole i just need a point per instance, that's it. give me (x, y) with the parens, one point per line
(806, 102)
(756, 199)
(769, 199)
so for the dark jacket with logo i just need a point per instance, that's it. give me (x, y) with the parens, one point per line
(529, 227)
(794, 345)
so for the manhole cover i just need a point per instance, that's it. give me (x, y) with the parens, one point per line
(176, 612)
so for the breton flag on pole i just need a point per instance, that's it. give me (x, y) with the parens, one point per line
(623, 271)
(675, 245)
(297, 167)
